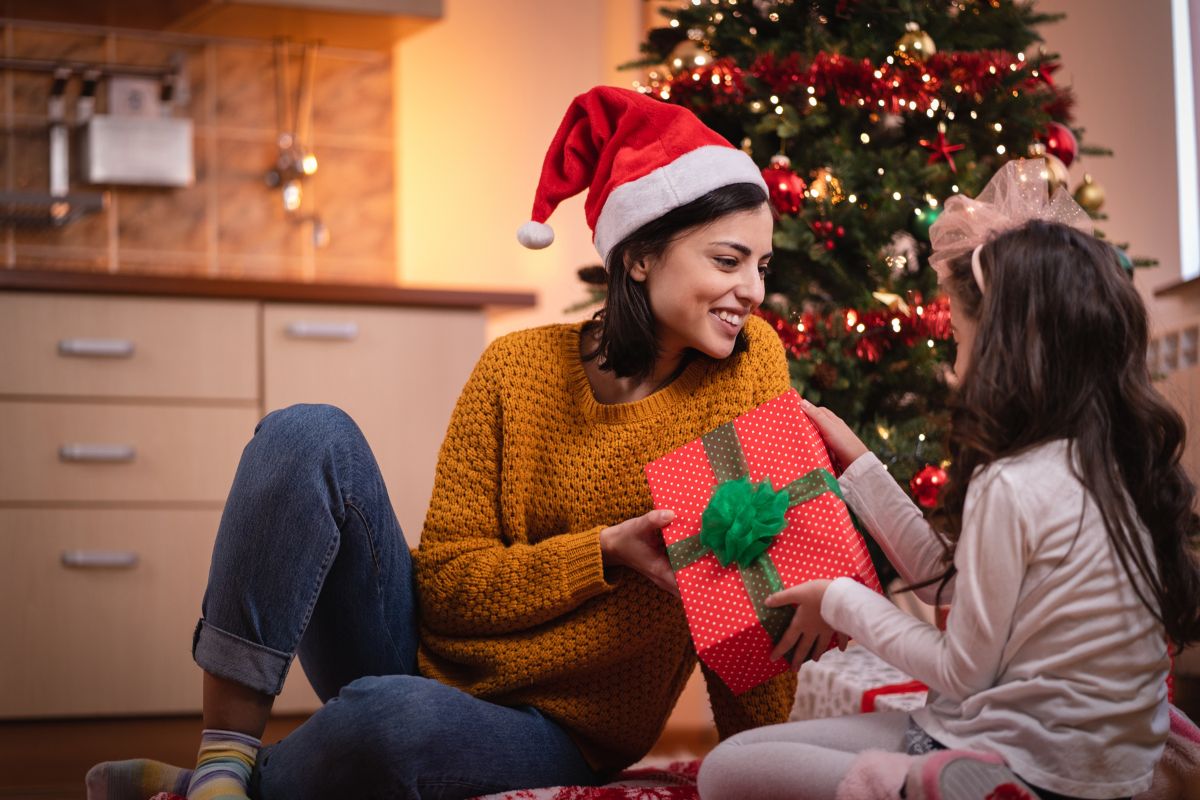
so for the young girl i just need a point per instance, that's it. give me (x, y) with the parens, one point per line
(1069, 540)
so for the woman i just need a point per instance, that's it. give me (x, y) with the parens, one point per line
(535, 638)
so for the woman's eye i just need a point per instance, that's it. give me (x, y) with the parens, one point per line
(727, 262)
(764, 270)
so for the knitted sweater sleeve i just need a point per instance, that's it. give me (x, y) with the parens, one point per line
(470, 579)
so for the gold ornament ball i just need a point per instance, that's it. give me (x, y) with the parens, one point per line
(1056, 173)
(915, 43)
(826, 187)
(1090, 194)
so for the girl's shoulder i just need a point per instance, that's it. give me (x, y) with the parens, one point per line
(1041, 472)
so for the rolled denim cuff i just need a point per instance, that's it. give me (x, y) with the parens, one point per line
(233, 658)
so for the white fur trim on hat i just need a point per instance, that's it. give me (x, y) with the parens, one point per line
(535, 235)
(690, 176)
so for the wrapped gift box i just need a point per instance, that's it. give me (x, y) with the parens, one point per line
(853, 682)
(767, 466)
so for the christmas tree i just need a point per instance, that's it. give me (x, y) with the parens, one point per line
(865, 116)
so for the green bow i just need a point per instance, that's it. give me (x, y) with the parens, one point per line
(742, 520)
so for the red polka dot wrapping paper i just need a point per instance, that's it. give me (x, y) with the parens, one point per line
(781, 444)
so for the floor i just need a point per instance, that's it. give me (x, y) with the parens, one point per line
(47, 760)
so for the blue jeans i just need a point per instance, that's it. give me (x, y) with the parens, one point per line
(310, 561)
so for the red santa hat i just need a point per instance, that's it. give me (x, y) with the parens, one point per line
(638, 158)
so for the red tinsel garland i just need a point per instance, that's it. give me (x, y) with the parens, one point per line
(906, 85)
(881, 328)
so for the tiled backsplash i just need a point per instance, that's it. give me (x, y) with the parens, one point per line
(229, 223)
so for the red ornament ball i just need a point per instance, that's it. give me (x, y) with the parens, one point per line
(784, 186)
(1060, 142)
(927, 484)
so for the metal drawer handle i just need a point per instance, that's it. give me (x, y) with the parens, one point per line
(100, 559)
(96, 348)
(107, 453)
(326, 331)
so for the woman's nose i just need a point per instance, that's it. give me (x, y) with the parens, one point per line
(750, 287)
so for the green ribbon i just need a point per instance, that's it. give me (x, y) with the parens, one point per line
(742, 520)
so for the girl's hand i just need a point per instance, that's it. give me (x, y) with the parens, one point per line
(843, 445)
(808, 636)
(637, 543)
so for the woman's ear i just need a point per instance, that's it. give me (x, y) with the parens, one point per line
(637, 270)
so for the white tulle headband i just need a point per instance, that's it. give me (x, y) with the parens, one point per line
(1017, 193)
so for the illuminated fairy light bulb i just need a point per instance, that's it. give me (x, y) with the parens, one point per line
(929, 113)
(1000, 149)
(851, 318)
(812, 101)
(860, 327)
(880, 170)
(774, 99)
(998, 127)
(920, 437)
(865, 138)
(974, 114)
(925, 78)
(891, 60)
(896, 195)
(852, 198)
(950, 115)
(935, 104)
(878, 74)
(1020, 56)
(992, 69)
(958, 88)
(308, 164)
(954, 188)
(778, 109)
(933, 201)
(929, 343)
(700, 60)
(674, 23)
(920, 311)
(812, 90)
(883, 432)
(896, 324)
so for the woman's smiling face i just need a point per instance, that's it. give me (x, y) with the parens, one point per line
(707, 281)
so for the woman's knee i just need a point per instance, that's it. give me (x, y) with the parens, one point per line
(310, 425)
(392, 723)
(722, 772)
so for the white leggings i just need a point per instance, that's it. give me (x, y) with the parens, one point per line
(797, 759)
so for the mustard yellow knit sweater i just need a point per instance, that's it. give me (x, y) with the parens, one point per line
(516, 606)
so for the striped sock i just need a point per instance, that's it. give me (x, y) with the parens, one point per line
(135, 779)
(223, 766)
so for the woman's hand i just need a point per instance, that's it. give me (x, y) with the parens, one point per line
(637, 543)
(808, 635)
(843, 445)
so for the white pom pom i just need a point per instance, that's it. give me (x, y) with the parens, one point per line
(535, 235)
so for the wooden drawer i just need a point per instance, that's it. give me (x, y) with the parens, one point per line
(106, 640)
(128, 347)
(398, 372)
(179, 453)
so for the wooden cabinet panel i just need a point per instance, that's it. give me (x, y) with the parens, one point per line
(398, 373)
(82, 640)
(128, 347)
(54, 452)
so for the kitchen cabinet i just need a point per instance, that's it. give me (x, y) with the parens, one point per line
(124, 407)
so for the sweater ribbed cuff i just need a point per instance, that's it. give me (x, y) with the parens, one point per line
(584, 564)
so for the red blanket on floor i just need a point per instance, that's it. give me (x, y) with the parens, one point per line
(1176, 778)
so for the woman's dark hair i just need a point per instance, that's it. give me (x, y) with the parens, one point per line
(628, 343)
(1060, 352)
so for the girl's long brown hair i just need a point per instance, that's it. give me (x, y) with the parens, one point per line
(1060, 352)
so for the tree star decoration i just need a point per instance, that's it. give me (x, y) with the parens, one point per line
(940, 148)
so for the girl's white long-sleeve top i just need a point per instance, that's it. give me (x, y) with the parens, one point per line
(1048, 658)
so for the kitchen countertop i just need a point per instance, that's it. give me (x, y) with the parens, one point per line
(104, 283)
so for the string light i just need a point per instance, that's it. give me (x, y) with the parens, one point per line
(1000, 149)
(812, 101)
(865, 138)
(853, 198)
(920, 437)
(998, 127)
(896, 195)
